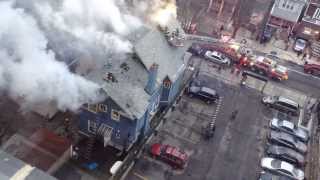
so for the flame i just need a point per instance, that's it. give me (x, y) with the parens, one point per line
(163, 15)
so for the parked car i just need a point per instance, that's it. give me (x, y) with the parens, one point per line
(286, 154)
(313, 69)
(217, 57)
(202, 92)
(264, 175)
(299, 45)
(196, 50)
(287, 140)
(282, 104)
(290, 128)
(169, 154)
(282, 168)
(279, 73)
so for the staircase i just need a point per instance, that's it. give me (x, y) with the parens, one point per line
(315, 47)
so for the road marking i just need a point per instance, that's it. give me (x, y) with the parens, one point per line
(140, 176)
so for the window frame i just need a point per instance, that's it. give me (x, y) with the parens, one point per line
(95, 110)
(105, 109)
(115, 117)
(90, 123)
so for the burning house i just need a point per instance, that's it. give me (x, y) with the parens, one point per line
(137, 87)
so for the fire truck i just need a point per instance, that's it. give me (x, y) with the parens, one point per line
(268, 67)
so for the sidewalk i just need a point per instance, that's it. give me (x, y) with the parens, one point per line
(277, 46)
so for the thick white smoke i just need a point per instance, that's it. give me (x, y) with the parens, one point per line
(30, 71)
(39, 38)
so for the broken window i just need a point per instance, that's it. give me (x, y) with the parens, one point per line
(92, 108)
(115, 115)
(102, 108)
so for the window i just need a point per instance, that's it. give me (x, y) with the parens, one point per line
(115, 115)
(92, 126)
(316, 14)
(92, 108)
(167, 84)
(102, 108)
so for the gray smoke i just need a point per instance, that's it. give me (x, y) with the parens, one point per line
(40, 38)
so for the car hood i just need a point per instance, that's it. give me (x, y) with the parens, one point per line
(299, 174)
(302, 133)
(266, 163)
(156, 149)
(301, 146)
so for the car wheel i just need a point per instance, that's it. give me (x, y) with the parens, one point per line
(310, 72)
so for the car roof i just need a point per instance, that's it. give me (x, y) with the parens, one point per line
(284, 150)
(289, 101)
(208, 90)
(286, 166)
(285, 123)
(174, 151)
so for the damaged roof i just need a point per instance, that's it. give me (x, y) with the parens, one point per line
(154, 48)
(150, 46)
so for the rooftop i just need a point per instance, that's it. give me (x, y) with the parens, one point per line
(13, 168)
(124, 78)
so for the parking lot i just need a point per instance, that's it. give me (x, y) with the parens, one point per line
(236, 148)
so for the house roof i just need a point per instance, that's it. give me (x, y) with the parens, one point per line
(151, 47)
(13, 168)
(288, 15)
(154, 48)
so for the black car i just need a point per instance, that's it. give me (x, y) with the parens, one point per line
(269, 176)
(287, 140)
(196, 50)
(286, 154)
(202, 92)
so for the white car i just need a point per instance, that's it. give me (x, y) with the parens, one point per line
(217, 57)
(282, 168)
(300, 45)
(290, 128)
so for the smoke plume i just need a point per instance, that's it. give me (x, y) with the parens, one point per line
(41, 38)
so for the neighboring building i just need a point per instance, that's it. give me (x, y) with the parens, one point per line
(43, 149)
(285, 14)
(12, 168)
(136, 87)
(309, 28)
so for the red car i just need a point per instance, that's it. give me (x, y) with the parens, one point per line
(313, 69)
(169, 154)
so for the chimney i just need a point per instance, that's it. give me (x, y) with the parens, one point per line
(152, 78)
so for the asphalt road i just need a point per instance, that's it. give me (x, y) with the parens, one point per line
(233, 153)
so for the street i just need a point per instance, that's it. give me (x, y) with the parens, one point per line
(237, 146)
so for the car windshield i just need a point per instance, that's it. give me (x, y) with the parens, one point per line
(301, 42)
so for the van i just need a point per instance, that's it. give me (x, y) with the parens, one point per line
(282, 104)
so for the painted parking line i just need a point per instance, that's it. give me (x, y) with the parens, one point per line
(140, 176)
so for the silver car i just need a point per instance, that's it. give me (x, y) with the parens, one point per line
(290, 128)
(282, 168)
(217, 57)
(287, 140)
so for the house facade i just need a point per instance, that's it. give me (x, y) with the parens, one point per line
(285, 14)
(136, 88)
(309, 28)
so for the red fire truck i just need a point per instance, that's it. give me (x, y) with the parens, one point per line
(268, 67)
